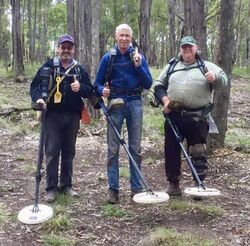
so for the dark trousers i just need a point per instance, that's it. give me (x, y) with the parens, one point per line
(60, 139)
(194, 131)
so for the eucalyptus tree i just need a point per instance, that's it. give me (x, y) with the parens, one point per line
(18, 67)
(224, 59)
(5, 41)
(144, 23)
(195, 25)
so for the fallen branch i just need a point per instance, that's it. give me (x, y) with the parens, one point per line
(9, 111)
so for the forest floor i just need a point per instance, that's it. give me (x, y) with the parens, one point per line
(223, 220)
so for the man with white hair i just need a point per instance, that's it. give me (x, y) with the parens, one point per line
(122, 75)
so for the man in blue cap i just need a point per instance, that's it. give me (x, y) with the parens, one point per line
(59, 86)
(185, 89)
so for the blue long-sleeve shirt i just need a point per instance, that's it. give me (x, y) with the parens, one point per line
(124, 75)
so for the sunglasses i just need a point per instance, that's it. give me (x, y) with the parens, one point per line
(66, 47)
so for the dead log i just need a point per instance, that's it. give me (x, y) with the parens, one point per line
(9, 111)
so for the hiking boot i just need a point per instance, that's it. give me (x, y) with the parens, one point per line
(173, 189)
(135, 192)
(71, 193)
(50, 196)
(113, 197)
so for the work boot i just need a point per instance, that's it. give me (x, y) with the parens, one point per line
(71, 193)
(50, 196)
(113, 197)
(173, 189)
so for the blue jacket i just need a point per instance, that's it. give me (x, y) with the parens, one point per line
(124, 77)
(71, 101)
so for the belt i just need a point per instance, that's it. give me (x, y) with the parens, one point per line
(191, 113)
(121, 91)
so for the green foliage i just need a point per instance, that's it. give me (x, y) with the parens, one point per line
(59, 222)
(3, 216)
(31, 69)
(153, 122)
(57, 17)
(164, 237)
(185, 206)
(30, 168)
(114, 14)
(236, 137)
(241, 71)
(155, 72)
(124, 172)
(62, 201)
(57, 240)
(110, 210)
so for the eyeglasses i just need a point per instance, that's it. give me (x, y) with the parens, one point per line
(66, 47)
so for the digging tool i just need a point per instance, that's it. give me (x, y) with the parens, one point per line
(37, 213)
(200, 190)
(144, 197)
(58, 94)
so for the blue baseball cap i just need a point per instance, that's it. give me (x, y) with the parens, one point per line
(66, 38)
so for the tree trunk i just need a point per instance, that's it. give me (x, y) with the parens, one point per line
(85, 36)
(30, 32)
(248, 37)
(195, 25)
(171, 24)
(95, 38)
(18, 67)
(145, 9)
(126, 11)
(70, 18)
(224, 59)
(33, 40)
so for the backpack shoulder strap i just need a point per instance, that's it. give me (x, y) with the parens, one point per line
(112, 54)
(201, 65)
(56, 64)
(172, 63)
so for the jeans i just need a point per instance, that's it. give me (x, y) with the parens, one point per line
(61, 130)
(132, 112)
(194, 132)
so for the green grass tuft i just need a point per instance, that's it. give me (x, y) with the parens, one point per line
(165, 237)
(56, 240)
(241, 71)
(185, 206)
(124, 172)
(110, 210)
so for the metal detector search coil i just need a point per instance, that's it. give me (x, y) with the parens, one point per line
(201, 192)
(149, 197)
(31, 217)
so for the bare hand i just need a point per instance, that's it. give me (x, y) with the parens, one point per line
(166, 101)
(210, 76)
(42, 103)
(137, 58)
(75, 86)
(106, 91)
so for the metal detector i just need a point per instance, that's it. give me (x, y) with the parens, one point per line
(37, 213)
(144, 197)
(200, 190)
